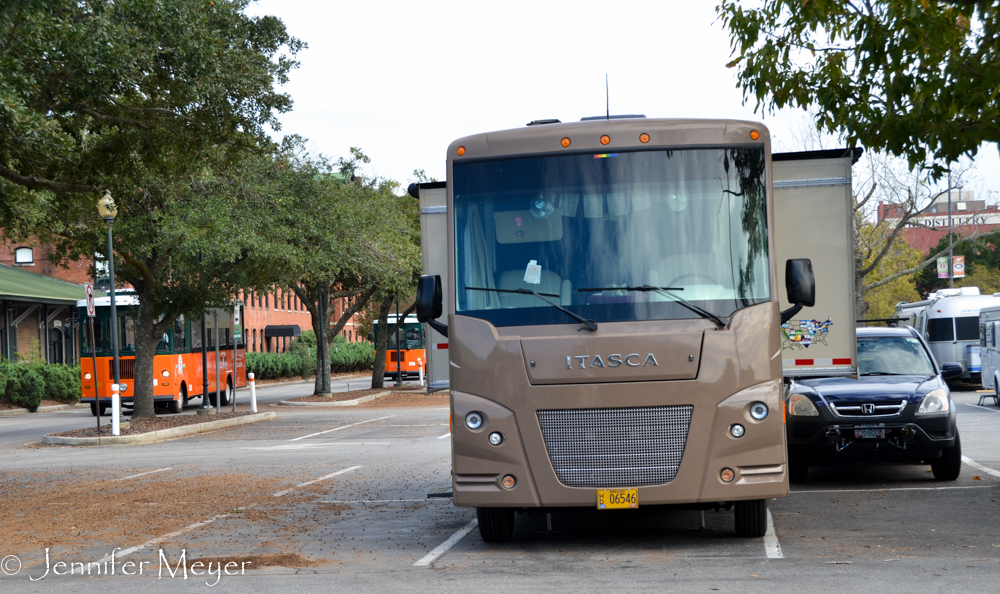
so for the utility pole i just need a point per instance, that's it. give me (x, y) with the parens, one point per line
(951, 259)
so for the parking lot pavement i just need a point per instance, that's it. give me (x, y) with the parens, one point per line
(336, 500)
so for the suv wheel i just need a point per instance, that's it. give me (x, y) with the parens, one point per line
(751, 517)
(496, 524)
(949, 465)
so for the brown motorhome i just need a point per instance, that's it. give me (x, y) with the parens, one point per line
(613, 319)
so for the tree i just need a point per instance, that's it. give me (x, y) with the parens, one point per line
(907, 77)
(982, 264)
(894, 197)
(344, 235)
(166, 105)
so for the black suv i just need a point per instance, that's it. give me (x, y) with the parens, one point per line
(900, 410)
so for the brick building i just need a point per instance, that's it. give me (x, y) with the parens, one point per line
(968, 215)
(273, 318)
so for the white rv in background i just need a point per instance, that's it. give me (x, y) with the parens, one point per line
(989, 342)
(949, 322)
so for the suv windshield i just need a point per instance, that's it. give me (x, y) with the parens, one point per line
(893, 355)
(693, 221)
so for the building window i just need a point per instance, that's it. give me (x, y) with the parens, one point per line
(24, 256)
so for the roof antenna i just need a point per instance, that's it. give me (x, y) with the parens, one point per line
(607, 98)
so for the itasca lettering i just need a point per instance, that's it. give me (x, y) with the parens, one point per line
(614, 360)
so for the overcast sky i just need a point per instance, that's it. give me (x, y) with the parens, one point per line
(401, 80)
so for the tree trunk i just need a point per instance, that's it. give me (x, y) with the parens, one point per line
(381, 342)
(145, 351)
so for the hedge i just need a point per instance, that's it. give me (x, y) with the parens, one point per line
(300, 359)
(27, 385)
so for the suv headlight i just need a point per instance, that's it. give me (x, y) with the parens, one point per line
(936, 401)
(799, 405)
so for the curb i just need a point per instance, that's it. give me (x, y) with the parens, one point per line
(161, 435)
(41, 409)
(353, 402)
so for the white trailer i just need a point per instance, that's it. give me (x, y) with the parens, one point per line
(989, 343)
(433, 199)
(949, 320)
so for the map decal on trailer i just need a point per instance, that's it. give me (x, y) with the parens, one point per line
(799, 334)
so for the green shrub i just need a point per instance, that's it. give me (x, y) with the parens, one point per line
(62, 382)
(274, 365)
(306, 352)
(23, 385)
(346, 357)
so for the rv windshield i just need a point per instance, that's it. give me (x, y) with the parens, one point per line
(693, 221)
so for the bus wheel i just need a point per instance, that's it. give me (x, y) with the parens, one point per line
(177, 406)
(227, 389)
(93, 408)
(751, 517)
(496, 524)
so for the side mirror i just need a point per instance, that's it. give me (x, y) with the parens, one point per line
(800, 286)
(429, 302)
(950, 370)
(428, 298)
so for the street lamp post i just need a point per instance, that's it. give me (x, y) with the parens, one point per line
(108, 211)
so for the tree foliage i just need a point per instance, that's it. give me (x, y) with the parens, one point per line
(342, 234)
(907, 77)
(165, 105)
(982, 264)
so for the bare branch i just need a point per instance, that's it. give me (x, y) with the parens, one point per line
(35, 183)
(918, 267)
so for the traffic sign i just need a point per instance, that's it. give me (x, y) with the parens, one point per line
(237, 327)
(89, 288)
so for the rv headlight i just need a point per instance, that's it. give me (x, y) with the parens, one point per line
(474, 420)
(936, 401)
(800, 405)
(758, 410)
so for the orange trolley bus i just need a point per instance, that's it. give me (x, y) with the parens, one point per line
(410, 353)
(177, 365)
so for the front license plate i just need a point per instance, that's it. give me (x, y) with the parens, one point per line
(869, 433)
(617, 498)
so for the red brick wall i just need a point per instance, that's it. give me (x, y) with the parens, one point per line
(73, 272)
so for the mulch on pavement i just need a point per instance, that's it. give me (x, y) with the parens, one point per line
(140, 427)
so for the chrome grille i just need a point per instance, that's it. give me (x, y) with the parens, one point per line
(616, 447)
(868, 409)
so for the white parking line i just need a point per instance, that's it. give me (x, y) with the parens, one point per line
(771, 545)
(132, 476)
(322, 478)
(445, 435)
(443, 547)
(339, 428)
(159, 539)
(978, 466)
(803, 492)
(322, 444)
(977, 407)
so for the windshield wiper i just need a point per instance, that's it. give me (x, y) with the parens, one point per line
(590, 323)
(666, 291)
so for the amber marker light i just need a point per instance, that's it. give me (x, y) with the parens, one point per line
(644, 138)
(754, 134)
(564, 142)
(727, 475)
(605, 139)
(460, 151)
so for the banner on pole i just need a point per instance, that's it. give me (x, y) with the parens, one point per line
(942, 267)
(958, 266)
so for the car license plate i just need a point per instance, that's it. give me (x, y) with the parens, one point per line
(617, 498)
(869, 433)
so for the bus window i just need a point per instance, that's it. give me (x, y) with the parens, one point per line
(98, 336)
(180, 338)
(940, 330)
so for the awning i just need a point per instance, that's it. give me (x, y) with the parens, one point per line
(274, 331)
